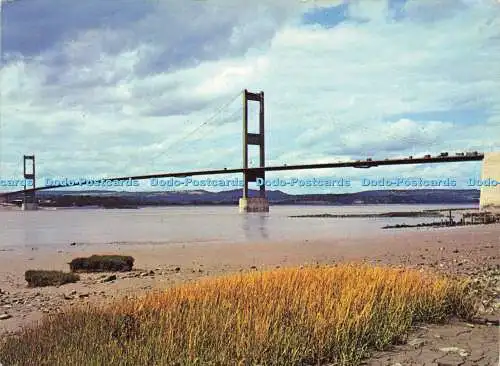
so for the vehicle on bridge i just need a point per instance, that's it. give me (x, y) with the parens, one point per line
(471, 153)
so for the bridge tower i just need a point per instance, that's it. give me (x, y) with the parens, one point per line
(29, 202)
(253, 204)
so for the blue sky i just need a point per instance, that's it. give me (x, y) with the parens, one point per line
(119, 88)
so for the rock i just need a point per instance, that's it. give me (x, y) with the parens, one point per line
(109, 278)
(253, 267)
(5, 316)
(417, 342)
(456, 251)
(460, 351)
(177, 269)
(73, 244)
(151, 273)
(81, 296)
(67, 297)
(144, 274)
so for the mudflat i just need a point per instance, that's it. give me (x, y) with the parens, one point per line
(467, 251)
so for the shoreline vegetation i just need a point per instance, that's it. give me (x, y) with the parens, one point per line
(307, 315)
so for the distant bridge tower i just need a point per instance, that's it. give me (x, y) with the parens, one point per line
(253, 204)
(29, 202)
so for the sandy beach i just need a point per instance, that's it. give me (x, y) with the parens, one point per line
(470, 251)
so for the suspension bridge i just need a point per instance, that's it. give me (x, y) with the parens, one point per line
(252, 174)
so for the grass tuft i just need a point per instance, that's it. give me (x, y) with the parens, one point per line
(309, 316)
(41, 278)
(102, 263)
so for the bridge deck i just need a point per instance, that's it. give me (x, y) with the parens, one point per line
(352, 164)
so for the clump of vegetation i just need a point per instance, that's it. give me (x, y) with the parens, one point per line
(41, 278)
(280, 317)
(102, 263)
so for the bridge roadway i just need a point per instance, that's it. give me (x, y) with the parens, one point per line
(352, 164)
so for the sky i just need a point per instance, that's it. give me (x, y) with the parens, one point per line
(127, 87)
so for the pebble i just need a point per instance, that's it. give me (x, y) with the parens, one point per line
(109, 278)
(417, 342)
(460, 351)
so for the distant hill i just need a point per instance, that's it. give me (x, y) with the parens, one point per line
(201, 197)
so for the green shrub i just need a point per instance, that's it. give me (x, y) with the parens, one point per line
(41, 278)
(102, 263)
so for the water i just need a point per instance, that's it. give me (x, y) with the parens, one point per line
(194, 224)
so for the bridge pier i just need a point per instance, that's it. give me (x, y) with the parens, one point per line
(490, 195)
(253, 204)
(29, 206)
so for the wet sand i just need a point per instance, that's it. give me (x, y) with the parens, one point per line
(470, 251)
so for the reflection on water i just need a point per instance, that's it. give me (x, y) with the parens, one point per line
(255, 226)
(193, 224)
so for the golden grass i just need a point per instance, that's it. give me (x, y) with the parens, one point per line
(307, 316)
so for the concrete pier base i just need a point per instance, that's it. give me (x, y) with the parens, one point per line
(490, 195)
(254, 204)
(29, 207)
